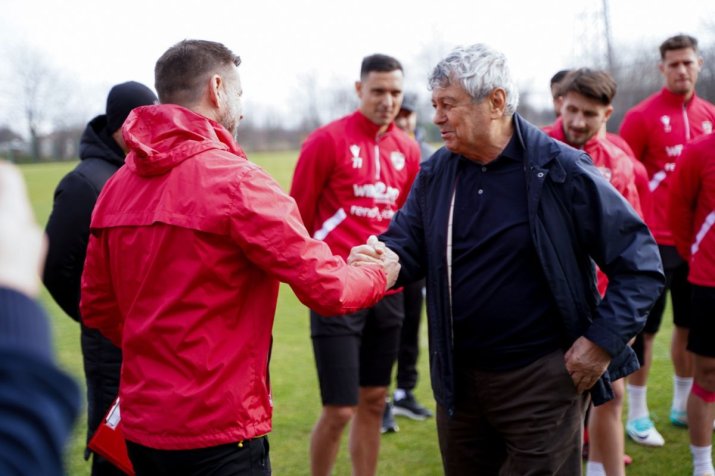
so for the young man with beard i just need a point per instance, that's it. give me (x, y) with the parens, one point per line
(586, 97)
(657, 129)
(351, 177)
(188, 244)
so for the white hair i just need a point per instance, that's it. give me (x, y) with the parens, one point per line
(479, 70)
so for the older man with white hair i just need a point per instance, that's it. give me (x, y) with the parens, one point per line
(505, 223)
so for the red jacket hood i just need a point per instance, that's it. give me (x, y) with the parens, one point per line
(162, 136)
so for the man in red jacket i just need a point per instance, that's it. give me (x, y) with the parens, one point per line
(692, 220)
(586, 97)
(351, 177)
(188, 244)
(657, 130)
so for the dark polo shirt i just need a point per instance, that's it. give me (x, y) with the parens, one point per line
(503, 311)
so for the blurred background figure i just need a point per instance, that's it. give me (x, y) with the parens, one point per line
(102, 150)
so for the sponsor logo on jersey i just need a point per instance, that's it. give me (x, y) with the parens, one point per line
(707, 127)
(674, 151)
(379, 191)
(398, 160)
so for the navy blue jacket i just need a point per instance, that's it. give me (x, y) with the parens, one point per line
(38, 401)
(576, 217)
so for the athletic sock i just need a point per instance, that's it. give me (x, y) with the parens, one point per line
(594, 468)
(702, 459)
(637, 404)
(681, 390)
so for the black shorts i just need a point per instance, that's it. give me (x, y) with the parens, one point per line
(676, 280)
(357, 350)
(701, 338)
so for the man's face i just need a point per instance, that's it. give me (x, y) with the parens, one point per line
(463, 124)
(231, 105)
(380, 95)
(407, 121)
(582, 118)
(680, 68)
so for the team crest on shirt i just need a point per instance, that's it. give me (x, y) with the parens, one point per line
(665, 120)
(606, 172)
(357, 160)
(398, 160)
(707, 127)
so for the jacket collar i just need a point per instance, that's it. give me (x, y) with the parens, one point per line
(675, 99)
(540, 150)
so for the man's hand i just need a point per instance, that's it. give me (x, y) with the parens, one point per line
(22, 242)
(586, 362)
(375, 252)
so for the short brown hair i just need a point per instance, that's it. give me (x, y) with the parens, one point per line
(678, 42)
(593, 84)
(182, 70)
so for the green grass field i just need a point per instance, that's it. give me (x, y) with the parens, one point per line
(414, 450)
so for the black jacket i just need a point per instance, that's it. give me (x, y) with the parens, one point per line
(68, 225)
(68, 234)
(575, 217)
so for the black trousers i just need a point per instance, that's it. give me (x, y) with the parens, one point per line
(525, 422)
(249, 458)
(409, 336)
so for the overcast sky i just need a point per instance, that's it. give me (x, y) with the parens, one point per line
(99, 43)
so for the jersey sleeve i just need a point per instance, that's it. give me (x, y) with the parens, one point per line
(685, 188)
(312, 172)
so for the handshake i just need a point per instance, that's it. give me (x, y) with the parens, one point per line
(375, 252)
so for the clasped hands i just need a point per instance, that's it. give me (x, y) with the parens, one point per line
(376, 252)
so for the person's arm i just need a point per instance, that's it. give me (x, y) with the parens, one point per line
(266, 225)
(405, 235)
(67, 232)
(633, 131)
(621, 245)
(98, 306)
(38, 402)
(684, 190)
(312, 173)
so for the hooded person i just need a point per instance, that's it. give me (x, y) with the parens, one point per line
(102, 150)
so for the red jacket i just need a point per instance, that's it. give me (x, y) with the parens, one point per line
(349, 181)
(189, 241)
(657, 129)
(616, 167)
(641, 174)
(692, 209)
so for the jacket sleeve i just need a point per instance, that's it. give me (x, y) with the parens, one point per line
(67, 232)
(405, 235)
(267, 226)
(312, 172)
(38, 402)
(634, 133)
(98, 306)
(623, 248)
(684, 191)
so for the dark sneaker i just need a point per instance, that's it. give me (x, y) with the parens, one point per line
(409, 407)
(389, 425)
